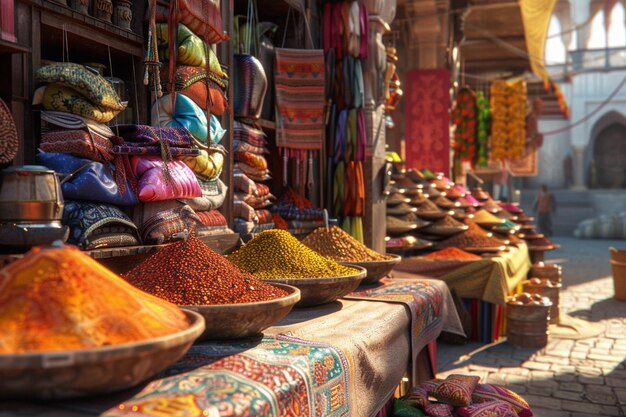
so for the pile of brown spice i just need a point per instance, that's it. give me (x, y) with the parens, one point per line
(190, 273)
(471, 238)
(340, 246)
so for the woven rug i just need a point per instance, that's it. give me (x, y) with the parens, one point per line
(299, 77)
(273, 376)
(425, 301)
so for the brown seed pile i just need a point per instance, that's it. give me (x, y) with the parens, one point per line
(474, 237)
(394, 222)
(190, 273)
(340, 246)
(428, 206)
(277, 254)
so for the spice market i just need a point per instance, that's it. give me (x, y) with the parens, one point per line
(310, 208)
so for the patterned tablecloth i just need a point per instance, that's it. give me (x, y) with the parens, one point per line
(340, 359)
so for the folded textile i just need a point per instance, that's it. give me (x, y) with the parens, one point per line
(249, 134)
(204, 88)
(244, 227)
(243, 210)
(56, 97)
(209, 163)
(241, 146)
(292, 212)
(73, 121)
(163, 180)
(264, 216)
(77, 142)
(257, 202)
(169, 225)
(148, 140)
(212, 218)
(253, 160)
(213, 195)
(243, 183)
(252, 172)
(97, 225)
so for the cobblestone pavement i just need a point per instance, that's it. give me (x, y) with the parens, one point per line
(567, 378)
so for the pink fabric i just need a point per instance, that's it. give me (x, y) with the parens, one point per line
(489, 409)
(152, 184)
(427, 119)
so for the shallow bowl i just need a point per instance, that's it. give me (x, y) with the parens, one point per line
(84, 372)
(232, 321)
(317, 291)
(376, 269)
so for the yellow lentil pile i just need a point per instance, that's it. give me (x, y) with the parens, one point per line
(277, 254)
(340, 246)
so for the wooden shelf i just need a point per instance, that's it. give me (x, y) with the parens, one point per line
(123, 259)
(7, 47)
(88, 28)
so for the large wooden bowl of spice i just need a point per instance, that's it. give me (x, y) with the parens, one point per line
(232, 321)
(317, 291)
(83, 372)
(376, 270)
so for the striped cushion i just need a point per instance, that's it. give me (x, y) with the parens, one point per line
(488, 392)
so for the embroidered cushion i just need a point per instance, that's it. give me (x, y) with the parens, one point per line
(77, 142)
(489, 392)
(185, 113)
(240, 146)
(438, 410)
(488, 409)
(456, 390)
(206, 89)
(83, 80)
(256, 161)
(192, 50)
(169, 225)
(212, 218)
(153, 185)
(418, 396)
(244, 211)
(97, 225)
(213, 195)
(59, 98)
(208, 164)
(243, 183)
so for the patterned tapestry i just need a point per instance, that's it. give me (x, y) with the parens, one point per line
(525, 166)
(427, 119)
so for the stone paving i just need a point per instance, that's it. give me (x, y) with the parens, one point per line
(567, 378)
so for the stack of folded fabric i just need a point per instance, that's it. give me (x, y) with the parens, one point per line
(195, 87)
(252, 198)
(75, 142)
(297, 214)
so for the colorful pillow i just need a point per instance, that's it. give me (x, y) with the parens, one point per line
(192, 50)
(252, 172)
(59, 98)
(456, 390)
(212, 218)
(169, 225)
(488, 392)
(255, 161)
(243, 183)
(438, 410)
(209, 165)
(240, 146)
(203, 17)
(418, 396)
(489, 409)
(185, 113)
(88, 145)
(213, 195)
(152, 185)
(244, 211)
(83, 80)
(206, 89)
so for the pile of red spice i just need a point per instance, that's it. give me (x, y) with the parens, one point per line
(452, 253)
(190, 273)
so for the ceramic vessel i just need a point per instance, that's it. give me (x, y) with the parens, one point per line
(104, 10)
(81, 6)
(123, 15)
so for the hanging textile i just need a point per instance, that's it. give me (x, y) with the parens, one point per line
(346, 45)
(427, 119)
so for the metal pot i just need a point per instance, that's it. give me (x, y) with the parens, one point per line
(30, 193)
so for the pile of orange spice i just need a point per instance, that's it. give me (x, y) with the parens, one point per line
(452, 253)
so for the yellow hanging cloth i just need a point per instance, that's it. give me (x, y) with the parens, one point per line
(536, 16)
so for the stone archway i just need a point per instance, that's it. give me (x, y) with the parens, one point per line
(609, 156)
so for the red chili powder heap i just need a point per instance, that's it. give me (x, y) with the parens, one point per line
(452, 253)
(190, 273)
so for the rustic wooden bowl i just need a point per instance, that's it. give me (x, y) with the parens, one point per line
(79, 373)
(232, 321)
(376, 269)
(317, 291)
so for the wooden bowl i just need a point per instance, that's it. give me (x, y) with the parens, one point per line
(232, 321)
(316, 291)
(79, 373)
(376, 269)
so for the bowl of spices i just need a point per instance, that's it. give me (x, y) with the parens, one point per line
(338, 245)
(447, 226)
(72, 328)
(278, 257)
(233, 302)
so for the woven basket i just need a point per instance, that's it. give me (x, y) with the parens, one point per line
(8, 135)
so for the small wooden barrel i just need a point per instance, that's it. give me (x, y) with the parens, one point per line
(551, 271)
(546, 288)
(527, 324)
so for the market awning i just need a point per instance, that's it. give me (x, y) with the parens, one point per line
(536, 16)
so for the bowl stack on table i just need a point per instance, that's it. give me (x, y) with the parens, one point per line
(276, 256)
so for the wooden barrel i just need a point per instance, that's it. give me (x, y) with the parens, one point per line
(619, 279)
(527, 324)
(550, 271)
(546, 288)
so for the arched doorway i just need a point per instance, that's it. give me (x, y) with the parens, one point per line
(609, 156)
